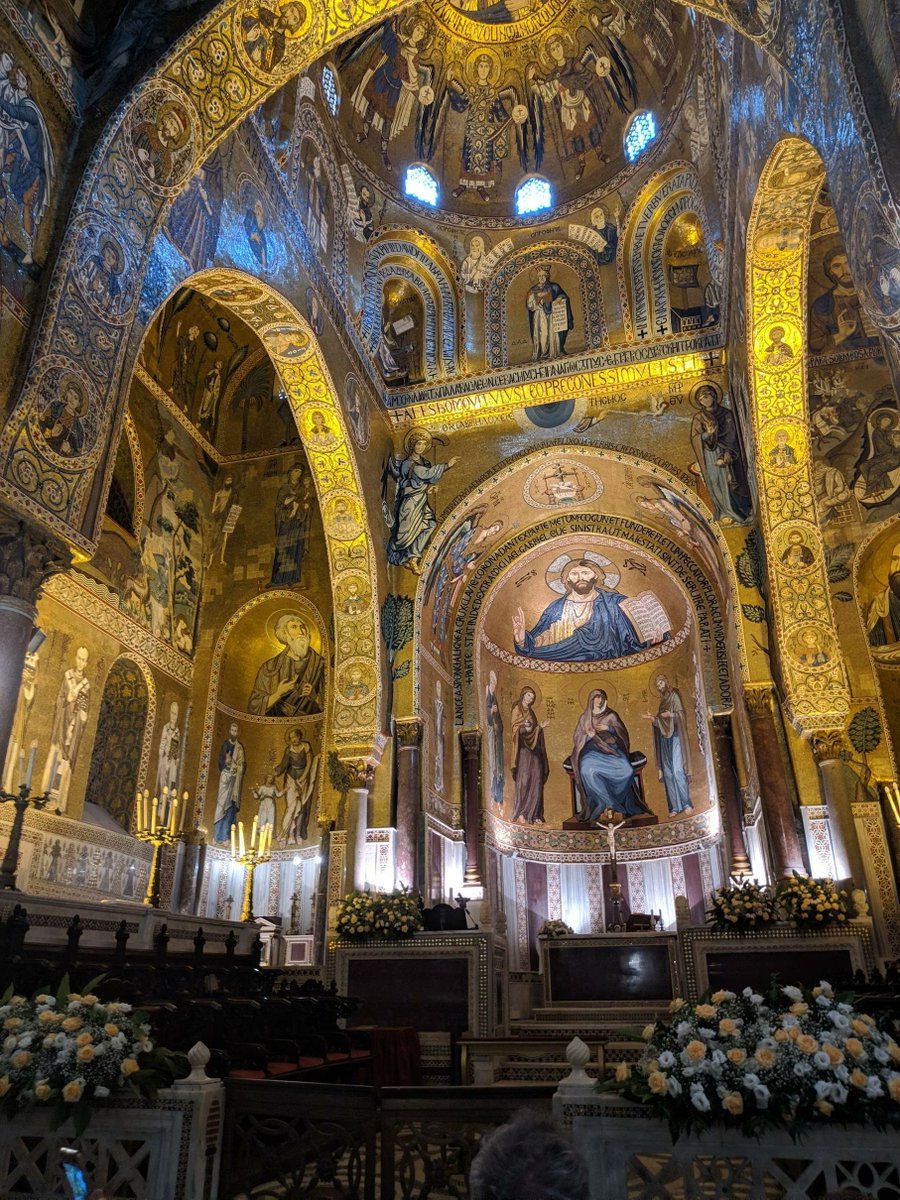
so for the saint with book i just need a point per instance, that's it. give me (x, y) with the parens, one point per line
(589, 623)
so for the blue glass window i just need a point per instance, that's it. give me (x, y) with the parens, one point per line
(330, 90)
(421, 185)
(534, 195)
(640, 133)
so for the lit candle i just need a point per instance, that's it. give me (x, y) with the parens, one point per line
(21, 767)
(253, 833)
(184, 804)
(262, 843)
(138, 814)
(233, 850)
(172, 814)
(241, 838)
(154, 804)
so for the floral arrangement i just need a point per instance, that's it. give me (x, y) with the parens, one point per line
(554, 929)
(387, 915)
(69, 1050)
(795, 1058)
(812, 901)
(746, 905)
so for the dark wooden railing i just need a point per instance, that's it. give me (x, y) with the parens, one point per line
(293, 1140)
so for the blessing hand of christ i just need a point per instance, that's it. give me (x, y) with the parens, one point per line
(519, 626)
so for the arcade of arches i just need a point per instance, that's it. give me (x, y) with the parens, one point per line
(460, 549)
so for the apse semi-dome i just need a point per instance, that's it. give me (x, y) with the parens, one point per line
(489, 94)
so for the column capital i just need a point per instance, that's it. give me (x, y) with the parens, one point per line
(470, 740)
(409, 732)
(758, 699)
(828, 745)
(28, 557)
(361, 774)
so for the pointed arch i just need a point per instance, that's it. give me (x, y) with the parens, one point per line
(406, 254)
(667, 195)
(288, 339)
(815, 681)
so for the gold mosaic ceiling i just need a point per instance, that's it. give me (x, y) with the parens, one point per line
(487, 93)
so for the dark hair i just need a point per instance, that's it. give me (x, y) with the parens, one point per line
(528, 1159)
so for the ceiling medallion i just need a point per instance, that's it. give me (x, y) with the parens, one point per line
(496, 22)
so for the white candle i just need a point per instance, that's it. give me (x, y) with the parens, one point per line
(241, 838)
(21, 767)
(233, 849)
(253, 833)
(30, 771)
(153, 811)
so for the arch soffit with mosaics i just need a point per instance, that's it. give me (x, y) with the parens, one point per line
(300, 365)
(210, 71)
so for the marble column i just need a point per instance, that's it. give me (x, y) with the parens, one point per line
(773, 767)
(729, 791)
(838, 785)
(408, 743)
(27, 558)
(361, 775)
(470, 740)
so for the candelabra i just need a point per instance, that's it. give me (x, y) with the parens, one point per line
(258, 851)
(156, 823)
(22, 799)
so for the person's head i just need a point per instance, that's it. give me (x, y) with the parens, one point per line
(527, 697)
(776, 334)
(6, 62)
(707, 397)
(556, 49)
(781, 437)
(483, 66)
(528, 1159)
(662, 684)
(72, 399)
(437, 687)
(838, 269)
(293, 633)
(418, 32)
(291, 18)
(270, 779)
(580, 577)
(173, 711)
(422, 444)
(598, 702)
(109, 256)
(81, 658)
(476, 246)
(598, 217)
(259, 213)
(365, 195)
(171, 127)
(23, 82)
(493, 529)
(295, 737)
(543, 275)
(884, 421)
(233, 731)
(492, 680)
(318, 422)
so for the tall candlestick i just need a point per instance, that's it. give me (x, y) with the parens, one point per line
(241, 838)
(172, 814)
(253, 833)
(233, 853)
(154, 805)
(21, 768)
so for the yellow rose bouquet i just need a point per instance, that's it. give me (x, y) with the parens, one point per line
(746, 905)
(71, 1049)
(384, 915)
(813, 902)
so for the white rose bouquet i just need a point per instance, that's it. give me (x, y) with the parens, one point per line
(70, 1049)
(555, 929)
(795, 1058)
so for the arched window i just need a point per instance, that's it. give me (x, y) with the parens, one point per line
(533, 194)
(639, 134)
(331, 89)
(421, 185)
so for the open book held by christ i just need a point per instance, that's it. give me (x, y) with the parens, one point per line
(648, 617)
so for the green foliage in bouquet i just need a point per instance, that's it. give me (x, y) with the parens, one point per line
(743, 906)
(71, 1050)
(383, 915)
(794, 1059)
(813, 902)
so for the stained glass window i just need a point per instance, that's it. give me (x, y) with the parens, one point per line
(640, 133)
(420, 184)
(533, 195)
